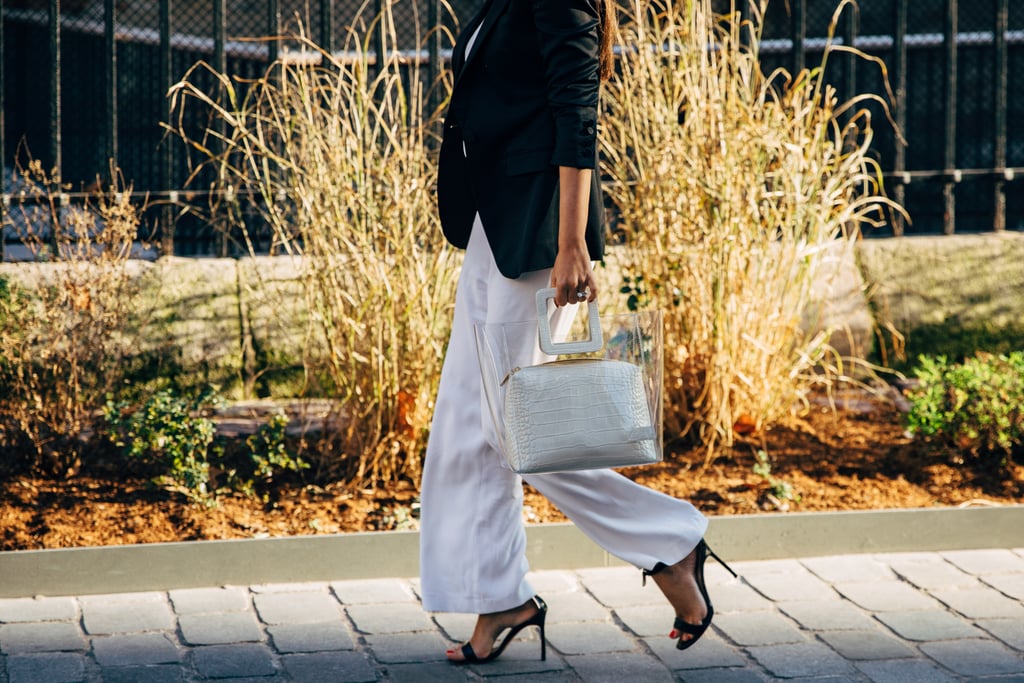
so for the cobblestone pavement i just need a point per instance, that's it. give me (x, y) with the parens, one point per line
(900, 618)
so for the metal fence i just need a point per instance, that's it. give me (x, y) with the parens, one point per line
(83, 82)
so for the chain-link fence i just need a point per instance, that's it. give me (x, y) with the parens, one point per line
(85, 81)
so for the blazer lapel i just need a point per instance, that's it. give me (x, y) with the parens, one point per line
(485, 19)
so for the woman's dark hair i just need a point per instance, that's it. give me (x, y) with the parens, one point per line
(609, 30)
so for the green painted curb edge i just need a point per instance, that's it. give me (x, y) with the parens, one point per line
(166, 566)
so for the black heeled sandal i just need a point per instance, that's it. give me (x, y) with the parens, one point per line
(680, 625)
(536, 620)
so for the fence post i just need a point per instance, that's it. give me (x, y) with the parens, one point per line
(110, 77)
(1002, 69)
(799, 27)
(899, 48)
(378, 37)
(949, 187)
(3, 134)
(274, 30)
(55, 115)
(327, 25)
(220, 66)
(434, 62)
(849, 38)
(166, 162)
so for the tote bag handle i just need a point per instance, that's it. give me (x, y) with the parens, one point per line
(594, 343)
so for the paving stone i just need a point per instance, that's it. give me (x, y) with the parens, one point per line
(135, 649)
(313, 637)
(589, 638)
(234, 661)
(981, 603)
(762, 567)
(801, 659)
(56, 667)
(727, 676)
(218, 629)
(330, 667)
(986, 562)
(538, 677)
(126, 614)
(1010, 631)
(717, 575)
(647, 621)
(54, 636)
(570, 607)
(618, 667)
(143, 674)
(427, 673)
(38, 609)
(373, 591)
(829, 615)
(418, 647)
(296, 607)
(848, 568)
(551, 582)
(306, 587)
(456, 626)
(209, 600)
(933, 572)
(710, 652)
(927, 625)
(975, 657)
(886, 596)
(904, 671)
(620, 587)
(1011, 585)
(389, 618)
(759, 628)
(800, 585)
(737, 597)
(873, 644)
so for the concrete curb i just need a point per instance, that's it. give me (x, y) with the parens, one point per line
(166, 566)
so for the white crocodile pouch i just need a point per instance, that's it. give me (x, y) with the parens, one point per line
(578, 414)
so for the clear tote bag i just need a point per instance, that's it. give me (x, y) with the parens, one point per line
(559, 402)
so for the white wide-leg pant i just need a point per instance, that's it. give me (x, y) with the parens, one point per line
(472, 539)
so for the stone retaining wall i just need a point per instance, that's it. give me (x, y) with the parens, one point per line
(241, 324)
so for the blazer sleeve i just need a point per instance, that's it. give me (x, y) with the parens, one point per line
(568, 36)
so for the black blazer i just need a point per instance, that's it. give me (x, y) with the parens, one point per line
(523, 104)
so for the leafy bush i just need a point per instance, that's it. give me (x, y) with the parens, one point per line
(976, 406)
(177, 437)
(267, 456)
(173, 434)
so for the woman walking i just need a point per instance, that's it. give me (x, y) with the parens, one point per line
(518, 190)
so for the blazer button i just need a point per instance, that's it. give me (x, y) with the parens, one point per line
(590, 130)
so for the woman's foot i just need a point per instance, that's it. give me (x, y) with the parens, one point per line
(489, 627)
(679, 584)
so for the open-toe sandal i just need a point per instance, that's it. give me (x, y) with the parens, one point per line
(537, 620)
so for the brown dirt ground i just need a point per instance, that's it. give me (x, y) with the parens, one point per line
(849, 459)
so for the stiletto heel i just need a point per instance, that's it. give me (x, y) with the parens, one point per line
(536, 620)
(680, 625)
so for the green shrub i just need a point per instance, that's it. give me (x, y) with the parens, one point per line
(266, 456)
(976, 406)
(177, 437)
(173, 434)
